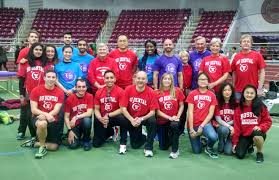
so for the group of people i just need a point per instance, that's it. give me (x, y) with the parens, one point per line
(66, 85)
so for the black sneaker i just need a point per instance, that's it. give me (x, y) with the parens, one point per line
(211, 153)
(260, 157)
(20, 136)
(87, 146)
(41, 152)
(29, 143)
(250, 149)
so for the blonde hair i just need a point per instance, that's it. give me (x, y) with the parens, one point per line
(216, 40)
(183, 52)
(172, 88)
(244, 36)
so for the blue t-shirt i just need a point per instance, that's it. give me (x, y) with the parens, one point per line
(60, 53)
(83, 61)
(195, 61)
(68, 73)
(148, 67)
(171, 65)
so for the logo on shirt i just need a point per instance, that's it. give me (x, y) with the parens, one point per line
(168, 105)
(35, 75)
(201, 104)
(227, 118)
(108, 107)
(243, 67)
(69, 76)
(136, 106)
(148, 68)
(47, 105)
(171, 68)
(122, 66)
(83, 67)
(212, 69)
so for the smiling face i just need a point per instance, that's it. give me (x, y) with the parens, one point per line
(50, 52)
(249, 94)
(141, 79)
(166, 81)
(215, 48)
(168, 46)
(102, 51)
(68, 52)
(50, 79)
(122, 42)
(81, 88)
(227, 92)
(38, 51)
(200, 44)
(150, 48)
(33, 38)
(109, 79)
(246, 44)
(203, 81)
(82, 46)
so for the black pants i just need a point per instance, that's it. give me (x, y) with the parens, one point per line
(183, 119)
(137, 139)
(245, 142)
(101, 134)
(168, 135)
(25, 120)
(82, 131)
(4, 65)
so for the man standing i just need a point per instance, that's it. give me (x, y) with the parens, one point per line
(67, 39)
(126, 60)
(46, 101)
(138, 106)
(78, 115)
(169, 63)
(196, 57)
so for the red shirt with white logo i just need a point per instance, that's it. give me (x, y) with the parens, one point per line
(226, 113)
(22, 54)
(98, 67)
(202, 103)
(137, 103)
(187, 76)
(127, 62)
(245, 121)
(215, 67)
(246, 68)
(34, 76)
(108, 101)
(167, 104)
(46, 98)
(78, 105)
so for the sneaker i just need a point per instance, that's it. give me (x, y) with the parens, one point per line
(29, 143)
(250, 150)
(260, 157)
(148, 153)
(211, 153)
(20, 136)
(174, 155)
(87, 146)
(41, 152)
(122, 149)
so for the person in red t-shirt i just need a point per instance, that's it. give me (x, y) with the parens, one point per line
(108, 113)
(46, 101)
(248, 67)
(31, 75)
(138, 106)
(187, 81)
(99, 66)
(126, 60)
(217, 66)
(171, 105)
(201, 105)
(251, 123)
(78, 114)
(224, 112)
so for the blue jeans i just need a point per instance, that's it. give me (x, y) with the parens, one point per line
(225, 140)
(209, 133)
(237, 95)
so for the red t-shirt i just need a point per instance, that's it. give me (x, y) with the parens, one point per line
(246, 68)
(108, 102)
(245, 121)
(127, 62)
(215, 67)
(226, 113)
(98, 67)
(22, 54)
(34, 76)
(137, 103)
(46, 98)
(202, 103)
(78, 105)
(187, 76)
(167, 104)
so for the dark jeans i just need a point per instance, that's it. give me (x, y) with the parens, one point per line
(245, 142)
(225, 140)
(25, 120)
(82, 131)
(101, 134)
(168, 136)
(137, 139)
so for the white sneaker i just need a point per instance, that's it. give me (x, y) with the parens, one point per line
(122, 149)
(148, 153)
(174, 155)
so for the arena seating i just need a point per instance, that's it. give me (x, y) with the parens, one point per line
(83, 23)
(156, 24)
(214, 24)
(10, 19)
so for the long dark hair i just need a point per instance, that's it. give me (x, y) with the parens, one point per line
(257, 104)
(30, 57)
(221, 99)
(145, 55)
(44, 56)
